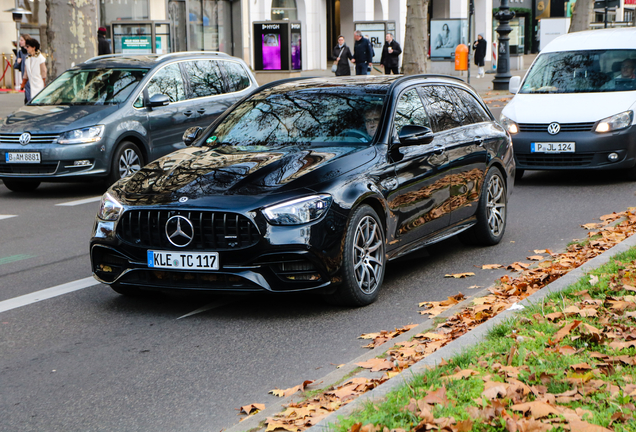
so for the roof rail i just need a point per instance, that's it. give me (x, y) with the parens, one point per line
(281, 81)
(420, 76)
(92, 59)
(162, 56)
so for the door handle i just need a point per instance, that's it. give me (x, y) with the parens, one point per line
(201, 110)
(439, 149)
(188, 113)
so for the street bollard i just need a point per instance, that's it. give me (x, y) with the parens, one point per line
(4, 71)
(12, 74)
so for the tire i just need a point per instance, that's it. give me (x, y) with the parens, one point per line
(127, 160)
(21, 185)
(518, 174)
(364, 260)
(491, 212)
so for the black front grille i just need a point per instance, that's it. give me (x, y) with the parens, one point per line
(35, 138)
(187, 280)
(555, 160)
(212, 230)
(565, 127)
(44, 168)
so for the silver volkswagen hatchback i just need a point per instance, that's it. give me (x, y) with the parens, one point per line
(107, 117)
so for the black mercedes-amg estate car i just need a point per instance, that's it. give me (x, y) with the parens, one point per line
(310, 184)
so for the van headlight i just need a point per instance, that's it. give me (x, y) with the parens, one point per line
(615, 122)
(82, 136)
(109, 208)
(298, 211)
(508, 124)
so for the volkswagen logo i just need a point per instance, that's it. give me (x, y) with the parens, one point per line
(554, 128)
(25, 138)
(179, 231)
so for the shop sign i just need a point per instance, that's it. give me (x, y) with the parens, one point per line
(136, 45)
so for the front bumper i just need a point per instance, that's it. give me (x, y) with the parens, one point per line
(592, 150)
(279, 259)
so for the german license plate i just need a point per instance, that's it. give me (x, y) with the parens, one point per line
(176, 260)
(30, 157)
(552, 147)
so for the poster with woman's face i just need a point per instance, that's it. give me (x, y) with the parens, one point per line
(445, 36)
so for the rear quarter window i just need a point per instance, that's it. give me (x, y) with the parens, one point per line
(237, 77)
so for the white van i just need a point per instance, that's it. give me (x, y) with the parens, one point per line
(575, 106)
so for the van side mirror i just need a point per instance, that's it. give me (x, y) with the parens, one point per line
(415, 135)
(191, 134)
(158, 100)
(514, 84)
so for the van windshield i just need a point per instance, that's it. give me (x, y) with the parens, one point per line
(90, 87)
(582, 72)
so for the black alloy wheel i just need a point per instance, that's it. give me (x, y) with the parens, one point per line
(364, 259)
(126, 162)
(16, 185)
(491, 212)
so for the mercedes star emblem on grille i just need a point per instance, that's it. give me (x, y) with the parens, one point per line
(179, 231)
(554, 128)
(25, 138)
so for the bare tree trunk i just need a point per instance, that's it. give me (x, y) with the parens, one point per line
(415, 37)
(582, 15)
(71, 33)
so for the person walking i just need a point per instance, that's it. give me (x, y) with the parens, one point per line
(103, 47)
(341, 55)
(34, 69)
(20, 62)
(362, 54)
(480, 54)
(390, 53)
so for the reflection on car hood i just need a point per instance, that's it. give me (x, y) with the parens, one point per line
(56, 118)
(568, 107)
(199, 172)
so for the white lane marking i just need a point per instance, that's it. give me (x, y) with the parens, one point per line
(6, 216)
(209, 306)
(79, 202)
(48, 293)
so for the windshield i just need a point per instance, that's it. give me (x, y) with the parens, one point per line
(582, 72)
(302, 117)
(90, 87)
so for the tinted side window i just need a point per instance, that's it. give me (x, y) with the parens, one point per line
(237, 78)
(441, 108)
(473, 106)
(168, 81)
(410, 111)
(464, 115)
(205, 78)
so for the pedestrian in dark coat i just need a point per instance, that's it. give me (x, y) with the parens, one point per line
(103, 47)
(390, 53)
(341, 55)
(480, 54)
(362, 54)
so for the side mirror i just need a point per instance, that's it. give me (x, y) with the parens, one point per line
(158, 100)
(191, 134)
(415, 135)
(514, 84)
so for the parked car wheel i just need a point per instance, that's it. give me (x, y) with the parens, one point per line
(127, 161)
(21, 185)
(491, 212)
(364, 260)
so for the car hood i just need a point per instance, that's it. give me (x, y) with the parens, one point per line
(568, 107)
(56, 118)
(197, 173)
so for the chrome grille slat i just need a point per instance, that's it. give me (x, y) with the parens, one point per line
(212, 229)
(35, 138)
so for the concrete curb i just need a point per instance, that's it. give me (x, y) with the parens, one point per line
(471, 338)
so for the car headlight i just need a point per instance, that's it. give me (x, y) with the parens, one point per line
(82, 136)
(298, 211)
(109, 209)
(508, 124)
(615, 122)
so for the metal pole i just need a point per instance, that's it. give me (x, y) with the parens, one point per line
(605, 19)
(470, 48)
(12, 73)
(3, 69)
(502, 77)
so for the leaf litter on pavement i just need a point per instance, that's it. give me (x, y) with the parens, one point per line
(513, 401)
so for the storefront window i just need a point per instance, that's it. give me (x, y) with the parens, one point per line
(284, 10)
(210, 25)
(119, 10)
